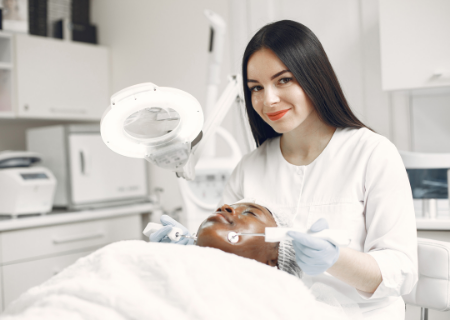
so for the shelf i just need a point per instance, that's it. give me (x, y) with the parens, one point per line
(6, 65)
(4, 34)
(64, 217)
(7, 115)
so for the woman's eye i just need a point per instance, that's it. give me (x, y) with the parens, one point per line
(285, 80)
(255, 88)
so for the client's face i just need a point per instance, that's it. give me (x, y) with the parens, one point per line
(240, 218)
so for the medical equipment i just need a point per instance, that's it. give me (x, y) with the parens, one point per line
(175, 234)
(165, 127)
(162, 125)
(24, 189)
(202, 194)
(429, 177)
(339, 238)
(88, 173)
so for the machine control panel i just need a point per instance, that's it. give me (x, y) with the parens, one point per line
(208, 186)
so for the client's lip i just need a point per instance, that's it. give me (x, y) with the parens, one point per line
(277, 115)
(220, 216)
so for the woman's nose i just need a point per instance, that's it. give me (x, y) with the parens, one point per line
(228, 209)
(271, 97)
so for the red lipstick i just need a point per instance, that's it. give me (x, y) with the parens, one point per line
(277, 115)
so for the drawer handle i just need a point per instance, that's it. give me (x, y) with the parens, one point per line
(68, 111)
(79, 237)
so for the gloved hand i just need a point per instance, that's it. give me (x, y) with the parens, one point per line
(169, 223)
(314, 255)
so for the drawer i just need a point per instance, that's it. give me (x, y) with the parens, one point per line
(33, 243)
(20, 277)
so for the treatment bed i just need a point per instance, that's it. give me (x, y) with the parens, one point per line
(141, 280)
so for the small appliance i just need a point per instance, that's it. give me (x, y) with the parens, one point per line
(429, 177)
(24, 188)
(89, 174)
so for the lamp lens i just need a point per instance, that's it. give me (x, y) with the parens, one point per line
(151, 122)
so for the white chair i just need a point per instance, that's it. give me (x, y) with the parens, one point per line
(432, 291)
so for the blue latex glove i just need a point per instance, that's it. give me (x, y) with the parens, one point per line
(313, 255)
(168, 223)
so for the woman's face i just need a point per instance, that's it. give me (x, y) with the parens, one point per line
(276, 95)
(245, 218)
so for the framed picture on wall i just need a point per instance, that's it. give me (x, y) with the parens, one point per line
(15, 15)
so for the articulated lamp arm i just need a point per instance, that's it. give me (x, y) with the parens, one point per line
(221, 108)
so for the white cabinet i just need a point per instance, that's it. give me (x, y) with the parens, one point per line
(415, 43)
(31, 255)
(60, 80)
(6, 76)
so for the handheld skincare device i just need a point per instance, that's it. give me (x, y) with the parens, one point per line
(175, 234)
(337, 237)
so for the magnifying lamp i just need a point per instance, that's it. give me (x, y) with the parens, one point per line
(163, 125)
(155, 123)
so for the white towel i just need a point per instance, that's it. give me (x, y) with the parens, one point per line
(141, 280)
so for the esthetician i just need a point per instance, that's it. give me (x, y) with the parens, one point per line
(315, 160)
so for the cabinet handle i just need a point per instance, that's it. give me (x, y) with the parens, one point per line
(441, 74)
(79, 237)
(84, 162)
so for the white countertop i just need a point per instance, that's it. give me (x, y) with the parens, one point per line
(53, 218)
(433, 224)
(63, 217)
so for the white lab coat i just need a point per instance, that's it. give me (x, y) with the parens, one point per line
(358, 183)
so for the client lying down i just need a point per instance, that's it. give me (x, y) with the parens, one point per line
(141, 280)
(241, 217)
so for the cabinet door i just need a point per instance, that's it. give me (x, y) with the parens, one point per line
(6, 76)
(1, 289)
(35, 243)
(20, 277)
(415, 45)
(61, 80)
(99, 174)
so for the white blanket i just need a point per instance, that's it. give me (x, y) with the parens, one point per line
(140, 280)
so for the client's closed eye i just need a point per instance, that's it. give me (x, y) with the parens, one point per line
(248, 211)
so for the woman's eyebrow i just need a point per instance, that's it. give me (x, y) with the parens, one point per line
(272, 77)
(278, 74)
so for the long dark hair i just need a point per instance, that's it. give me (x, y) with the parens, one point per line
(302, 53)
